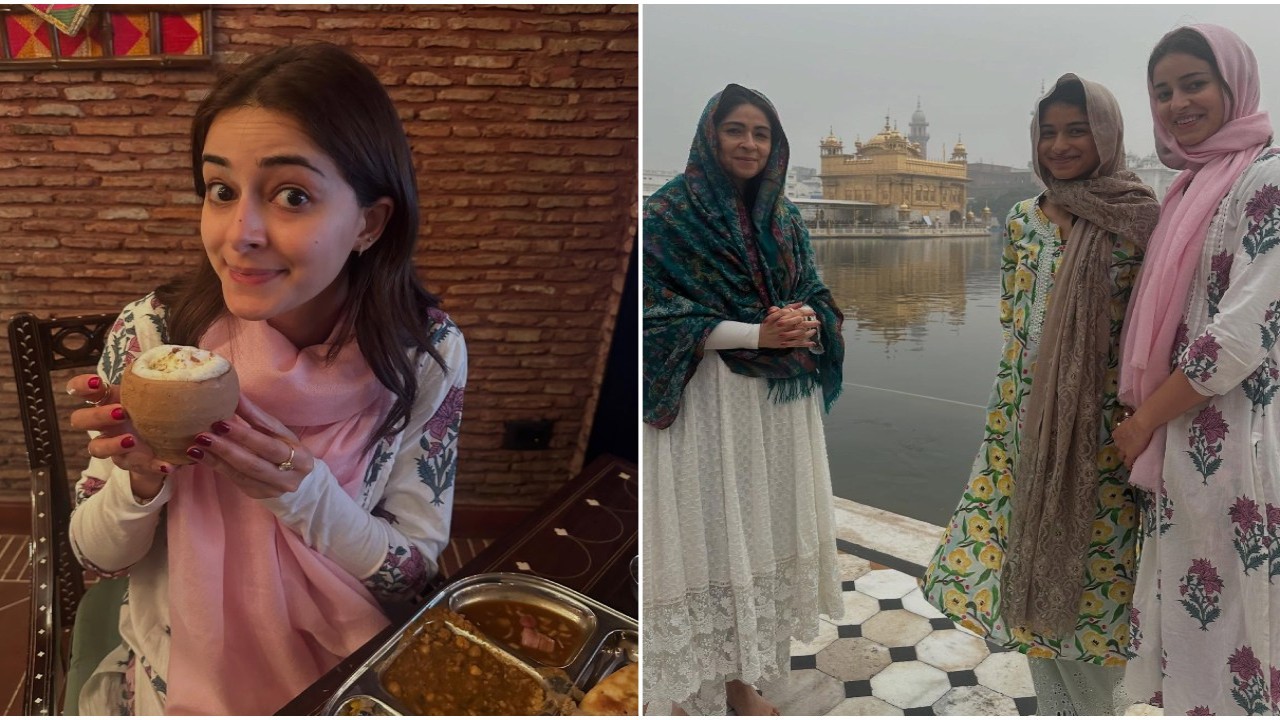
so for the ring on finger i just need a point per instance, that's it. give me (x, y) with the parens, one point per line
(287, 465)
(106, 395)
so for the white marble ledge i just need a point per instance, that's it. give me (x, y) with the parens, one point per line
(895, 535)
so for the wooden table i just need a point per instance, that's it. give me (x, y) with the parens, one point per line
(583, 537)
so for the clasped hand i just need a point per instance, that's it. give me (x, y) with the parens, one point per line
(1131, 437)
(795, 325)
(252, 449)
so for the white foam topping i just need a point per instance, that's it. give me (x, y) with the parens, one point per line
(180, 362)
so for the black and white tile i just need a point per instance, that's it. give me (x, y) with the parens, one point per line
(894, 654)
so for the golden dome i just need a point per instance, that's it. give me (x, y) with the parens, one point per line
(890, 140)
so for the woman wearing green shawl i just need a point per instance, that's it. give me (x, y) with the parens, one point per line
(742, 352)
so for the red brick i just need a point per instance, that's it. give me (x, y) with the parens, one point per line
(560, 46)
(129, 78)
(57, 109)
(23, 92)
(265, 20)
(444, 40)
(608, 62)
(258, 38)
(149, 93)
(346, 23)
(64, 76)
(608, 25)
(472, 23)
(113, 165)
(397, 40)
(467, 95)
(509, 42)
(39, 129)
(500, 263)
(555, 26)
(504, 79)
(396, 22)
(427, 78)
(122, 128)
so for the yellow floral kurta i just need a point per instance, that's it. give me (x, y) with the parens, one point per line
(963, 578)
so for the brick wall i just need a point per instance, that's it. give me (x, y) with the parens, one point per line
(523, 120)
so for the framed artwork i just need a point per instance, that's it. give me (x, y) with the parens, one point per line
(77, 36)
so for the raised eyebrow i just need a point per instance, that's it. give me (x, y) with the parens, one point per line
(270, 161)
(278, 160)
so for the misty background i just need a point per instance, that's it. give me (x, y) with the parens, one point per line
(976, 69)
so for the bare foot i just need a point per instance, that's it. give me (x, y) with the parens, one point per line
(746, 701)
(677, 710)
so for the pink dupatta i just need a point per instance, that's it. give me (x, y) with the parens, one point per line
(256, 615)
(1173, 254)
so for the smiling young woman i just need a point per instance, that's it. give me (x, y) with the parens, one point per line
(262, 563)
(1038, 556)
(1202, 370)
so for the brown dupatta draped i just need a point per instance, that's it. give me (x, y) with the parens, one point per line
(1056, 473)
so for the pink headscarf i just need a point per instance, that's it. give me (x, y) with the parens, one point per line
(256, 614)
(1174, 251)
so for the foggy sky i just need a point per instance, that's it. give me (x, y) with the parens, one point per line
(977, 70)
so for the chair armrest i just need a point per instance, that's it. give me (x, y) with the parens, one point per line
(45, 668)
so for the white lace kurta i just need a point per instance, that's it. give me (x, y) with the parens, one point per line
(1206, 616)
(739, 539)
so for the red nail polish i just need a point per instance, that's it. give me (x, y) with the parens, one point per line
(118, 413)
(166, 468)
(127, 441)
(95, 383)
(221, 428)
(196, 453)
(204, 440)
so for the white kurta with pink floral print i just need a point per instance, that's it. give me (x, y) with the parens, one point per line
(1205, 624)
(389, 535)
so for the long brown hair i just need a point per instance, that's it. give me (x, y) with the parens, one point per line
(345, 111)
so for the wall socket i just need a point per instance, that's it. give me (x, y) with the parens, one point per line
(527, 434)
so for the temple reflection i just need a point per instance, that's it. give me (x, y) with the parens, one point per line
(891, 288)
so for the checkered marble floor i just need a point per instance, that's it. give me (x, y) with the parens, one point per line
(894, 654)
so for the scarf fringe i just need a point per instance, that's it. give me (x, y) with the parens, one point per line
(785, 390)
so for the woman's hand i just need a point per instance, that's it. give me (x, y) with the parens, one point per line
(792, 326)
(1132, 436)
(255, 451)
(118, 440)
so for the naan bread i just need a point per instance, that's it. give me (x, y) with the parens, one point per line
(616, 694)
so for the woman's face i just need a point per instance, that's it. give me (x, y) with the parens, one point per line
(279, 222)
(1190, 100)
(1066, 147)
(744, 138)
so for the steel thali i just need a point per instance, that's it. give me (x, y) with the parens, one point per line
(592, 641)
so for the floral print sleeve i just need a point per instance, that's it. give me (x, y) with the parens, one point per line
(418, 501)
(1243, 299)
(389, 529)
(116, 532)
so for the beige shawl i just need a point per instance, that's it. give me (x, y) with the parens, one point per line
(1056, 474)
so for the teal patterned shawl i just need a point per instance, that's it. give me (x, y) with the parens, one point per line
(707, 260)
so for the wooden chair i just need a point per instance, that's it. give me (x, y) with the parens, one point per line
(40, 347)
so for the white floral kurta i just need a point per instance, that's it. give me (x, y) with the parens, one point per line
(964, 577)
(1206, 617)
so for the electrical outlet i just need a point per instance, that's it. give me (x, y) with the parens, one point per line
(527, 434)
